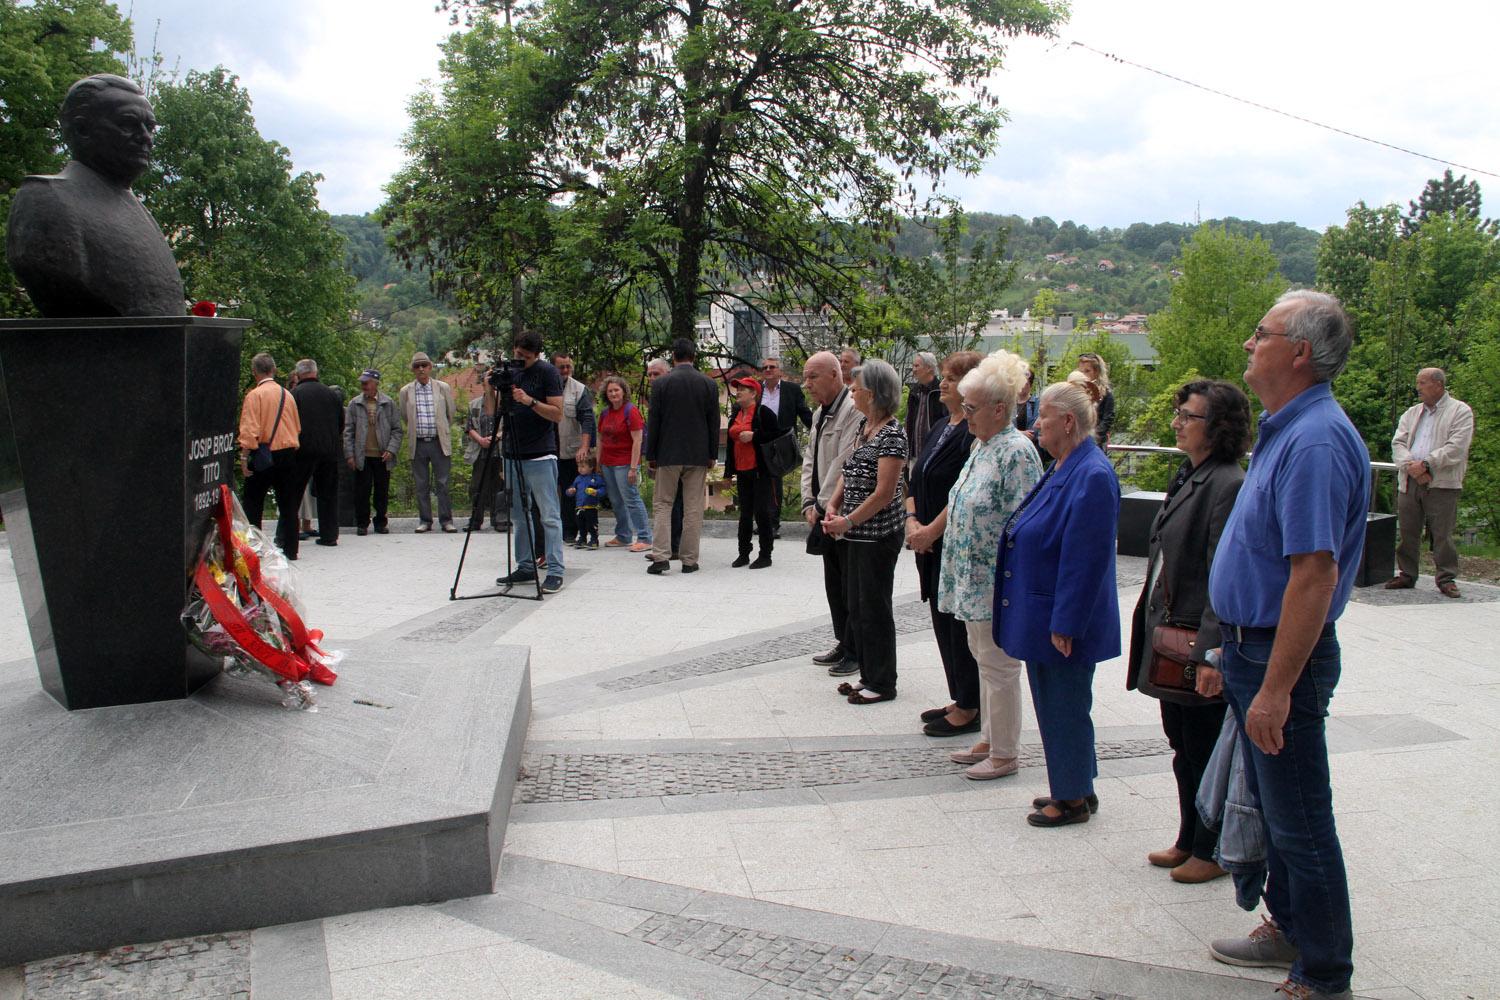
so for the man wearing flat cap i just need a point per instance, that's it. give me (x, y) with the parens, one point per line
(372, 437)
(427, 412)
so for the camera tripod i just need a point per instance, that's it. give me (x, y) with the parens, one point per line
(514, 481)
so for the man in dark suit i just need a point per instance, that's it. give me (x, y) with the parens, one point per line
(322, 445)
(682, 444)
(785, 399)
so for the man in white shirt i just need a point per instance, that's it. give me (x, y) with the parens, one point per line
(1431, 453)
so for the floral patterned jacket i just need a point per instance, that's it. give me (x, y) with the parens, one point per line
(999, 474)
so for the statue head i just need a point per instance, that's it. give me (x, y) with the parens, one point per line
(108, 126)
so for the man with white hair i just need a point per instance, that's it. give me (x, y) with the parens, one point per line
(320, 445)
(848, 359)
(1431, 452)
(834, 435)
(1283, 571)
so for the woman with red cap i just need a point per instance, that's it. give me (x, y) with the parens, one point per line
(750, 425)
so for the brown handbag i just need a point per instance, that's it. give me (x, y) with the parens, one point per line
(1171, 663)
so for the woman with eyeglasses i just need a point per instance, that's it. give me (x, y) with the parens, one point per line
(1056, 605)
(1096, 369)
(1000, 471)
(931, 476)
(1212, 424)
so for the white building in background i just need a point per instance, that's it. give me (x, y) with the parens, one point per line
(749, 335)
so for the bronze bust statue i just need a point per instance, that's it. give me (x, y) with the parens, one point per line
(80, 241)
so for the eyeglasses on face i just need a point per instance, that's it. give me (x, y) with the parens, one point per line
(969, 409)
(1261, 333)
(769, 368)
(1179, 413)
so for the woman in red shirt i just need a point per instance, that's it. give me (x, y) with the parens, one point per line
(620, 430)
(751, 424)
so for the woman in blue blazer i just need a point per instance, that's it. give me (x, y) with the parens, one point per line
(1056, 605)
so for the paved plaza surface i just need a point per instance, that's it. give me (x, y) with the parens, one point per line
(699, 815)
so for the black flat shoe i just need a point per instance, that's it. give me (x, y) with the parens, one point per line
(933, 713)
(742, 560)
(942, 727)
(1070, 814)
(1092, 800)
(834, 655)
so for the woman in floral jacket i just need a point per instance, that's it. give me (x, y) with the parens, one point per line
(1002, 469)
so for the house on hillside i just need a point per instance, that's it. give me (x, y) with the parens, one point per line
(1105, 264)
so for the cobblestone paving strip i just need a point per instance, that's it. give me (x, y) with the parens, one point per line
(589, 777)
(814, 969)
(910, 617)
(459, 626)
(213, 967)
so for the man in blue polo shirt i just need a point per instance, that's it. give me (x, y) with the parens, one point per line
(1281, 575)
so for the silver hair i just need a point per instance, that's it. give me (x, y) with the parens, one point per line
(306, 367)
(927, 358)
(1436, 374)
(1321, 323)
(263, 364)
(851, 352)
(999, 378)
(659, 363)
(883, 382)
(1072, 398)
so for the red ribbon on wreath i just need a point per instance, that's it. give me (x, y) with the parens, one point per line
(302, 660)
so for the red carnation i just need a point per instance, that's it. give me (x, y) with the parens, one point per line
(205, 308)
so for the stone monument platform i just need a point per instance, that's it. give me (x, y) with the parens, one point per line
(225, 811)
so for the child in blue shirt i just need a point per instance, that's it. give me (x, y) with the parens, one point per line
(587, 491)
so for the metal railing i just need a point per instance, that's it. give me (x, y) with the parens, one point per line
(1154, 449)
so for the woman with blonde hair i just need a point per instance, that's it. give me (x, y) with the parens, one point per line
(1055, 603)
(1096, 370)
(1001, 469)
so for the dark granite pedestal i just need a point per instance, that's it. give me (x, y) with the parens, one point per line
(225, 811)
(114, 435)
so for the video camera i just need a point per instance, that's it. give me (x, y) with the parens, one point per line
(502, 376)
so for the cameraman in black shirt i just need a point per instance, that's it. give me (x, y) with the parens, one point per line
(530, 451)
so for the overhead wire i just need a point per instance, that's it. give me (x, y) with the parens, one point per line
(1278, 111)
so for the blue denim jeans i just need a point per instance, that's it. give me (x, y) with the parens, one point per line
(539, 481)
(1307, 890)
(631, 522)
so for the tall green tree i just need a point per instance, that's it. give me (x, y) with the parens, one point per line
(743, 151)
(1445, 195)
(246, 231)
(45, 45)
(1228, 282)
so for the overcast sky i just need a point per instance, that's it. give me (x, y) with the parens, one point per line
(1089, 139)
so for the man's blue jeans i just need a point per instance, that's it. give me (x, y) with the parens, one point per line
(538, 478)
(1307, 890)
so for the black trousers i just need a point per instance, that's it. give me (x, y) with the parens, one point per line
(285, 481)
(835, 568)
(869, 576)
(1192, 731)
(959, 665)
(588, 524)
(485, 494)
(567, 471)
(754, 495)
(323, 474)
(374, 475)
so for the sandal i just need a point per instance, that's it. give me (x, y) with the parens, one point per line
(864, 696)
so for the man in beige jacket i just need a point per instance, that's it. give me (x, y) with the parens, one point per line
(835, 431)
(1431, 453)
(427, 412)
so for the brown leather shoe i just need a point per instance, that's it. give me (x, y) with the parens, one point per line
(1195, 870)
(1400, 582)
(1449, 589)
(1170, 858)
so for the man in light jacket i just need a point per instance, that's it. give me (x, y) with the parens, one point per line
(1431, 452)
(835, 431)
(428, 410)
(372, 437)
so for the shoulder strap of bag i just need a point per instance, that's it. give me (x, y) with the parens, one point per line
(275, 426)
